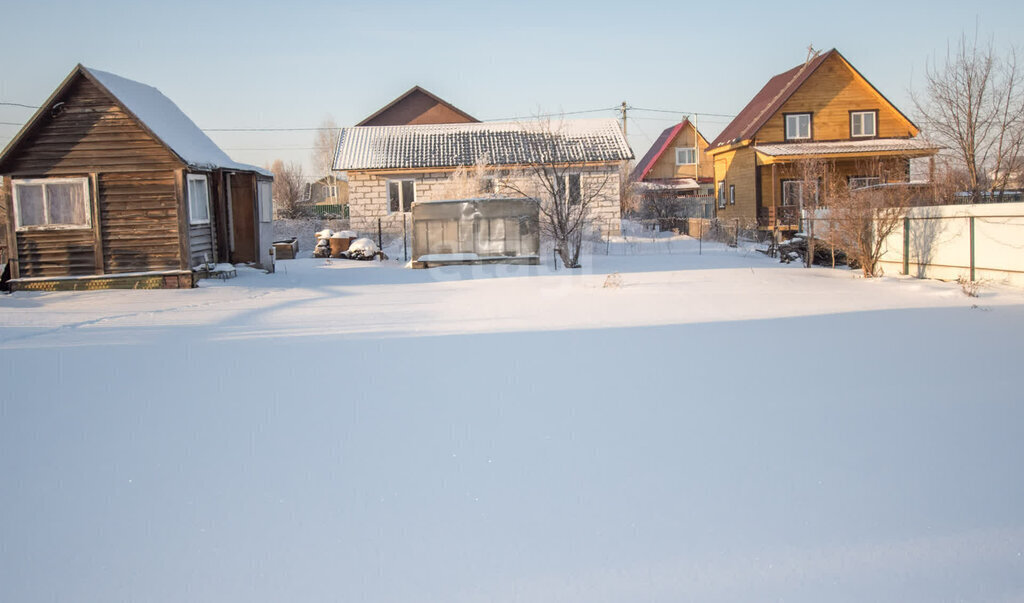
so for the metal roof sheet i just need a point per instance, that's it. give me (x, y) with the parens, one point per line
(499, 143)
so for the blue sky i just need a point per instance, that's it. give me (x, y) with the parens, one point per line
(263, 64)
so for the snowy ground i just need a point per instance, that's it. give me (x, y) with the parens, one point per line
(718, 428)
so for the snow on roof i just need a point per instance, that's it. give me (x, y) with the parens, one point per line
(501, 143)
(874, 145)
(681, 184)
(169, 123)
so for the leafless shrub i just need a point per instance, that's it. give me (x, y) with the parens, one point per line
(969, 287)
(613, 281)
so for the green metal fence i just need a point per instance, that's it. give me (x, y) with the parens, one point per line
(331, 211)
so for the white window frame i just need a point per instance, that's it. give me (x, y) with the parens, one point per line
(403, 207)
(332, 190)
(860, 114)
(692, 151)
(191, 207)
(858, 182)
(265, 200)
(800, 192)
(46, 207)
(732, 194)
(721, 194)
(796, 126)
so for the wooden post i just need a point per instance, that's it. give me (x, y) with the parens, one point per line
(97, 232)
(380, 242)
(405, 241)
(906, 246)
(972, 248)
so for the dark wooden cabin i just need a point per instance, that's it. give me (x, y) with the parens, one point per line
(111, 185)
(418, 106)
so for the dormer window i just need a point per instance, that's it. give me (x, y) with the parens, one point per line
(686, 156)
(798, 126)
(863, 124)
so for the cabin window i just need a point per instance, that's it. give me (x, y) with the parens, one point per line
(732, 194)
(569, 188)
(198, 199)
(721, 193)
(401, 195)
(265, 201)
(52, 203)
(686, 156)
(793, 192)
(798, 126)
(856, 182)
(862, 124)
(332, 191)
(486, 186)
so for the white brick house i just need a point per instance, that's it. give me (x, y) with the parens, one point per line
(390, 167)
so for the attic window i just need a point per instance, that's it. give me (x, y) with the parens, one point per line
(862, 124)
(798, 126)
(51, 203)
(686, 156)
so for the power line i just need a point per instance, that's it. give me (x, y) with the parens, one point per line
(553, 114)
(270, 129)
(10, 123)
(682, 112)
(18, 105)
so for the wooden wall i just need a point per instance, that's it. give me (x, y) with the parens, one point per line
(135, 199)
(830, 93)
(417, 108)
(665, 167)
(737, 168)
(89, 134)
(139, 221)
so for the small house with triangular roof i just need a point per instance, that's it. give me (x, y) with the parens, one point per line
(110, 184)
(823, 109)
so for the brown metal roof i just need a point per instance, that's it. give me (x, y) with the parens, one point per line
(656, 150)
(768, 101)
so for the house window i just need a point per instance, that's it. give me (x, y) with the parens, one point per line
(856, 182)
(793, 192)
(52, 203)
(862, 123)
(732, 194)
(486, 186)
(198, 200)
(721, 193)
(265, 201)
(686, 156)
(569, 187)
(401, 195)
(798, 126)
(332, 191)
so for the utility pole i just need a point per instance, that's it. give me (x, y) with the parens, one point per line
(623, 119)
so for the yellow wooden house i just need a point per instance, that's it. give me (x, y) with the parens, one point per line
(823, 109)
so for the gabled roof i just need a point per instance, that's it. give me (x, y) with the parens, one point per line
(768, 101)
(499, 143)
(775, 93)
(418, 90)
(661, 144)
(155, 113)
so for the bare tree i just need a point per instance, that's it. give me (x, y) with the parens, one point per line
(567, 191)
(860, 220)
(973, 103)
(325, 144)
(468, 181)
(289, 186)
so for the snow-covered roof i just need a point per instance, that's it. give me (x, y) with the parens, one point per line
(499, 143)
(680, 184)
(874, 145)
(168, 123)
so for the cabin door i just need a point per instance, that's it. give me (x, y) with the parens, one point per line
(243, 219)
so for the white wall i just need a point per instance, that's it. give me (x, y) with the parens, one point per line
(940, 243)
